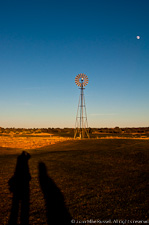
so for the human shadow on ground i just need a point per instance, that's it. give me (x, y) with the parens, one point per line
(56, 210)
(19, 186)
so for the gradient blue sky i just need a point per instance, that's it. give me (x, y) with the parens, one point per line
(44, 44)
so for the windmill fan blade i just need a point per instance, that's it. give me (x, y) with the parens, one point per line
(81, 79)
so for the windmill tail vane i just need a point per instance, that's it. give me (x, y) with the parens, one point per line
(81, 125)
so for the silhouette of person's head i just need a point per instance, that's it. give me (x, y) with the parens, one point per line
(22, 163)
(21, 175)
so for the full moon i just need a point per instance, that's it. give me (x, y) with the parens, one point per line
(138, 37)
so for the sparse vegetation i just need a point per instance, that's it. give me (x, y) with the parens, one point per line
(100, 179)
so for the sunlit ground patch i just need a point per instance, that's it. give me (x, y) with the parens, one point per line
(29, 142)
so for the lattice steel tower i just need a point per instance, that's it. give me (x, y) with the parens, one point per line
(81, 125)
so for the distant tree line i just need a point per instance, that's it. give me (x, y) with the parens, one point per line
(66, 131)
(118, 130)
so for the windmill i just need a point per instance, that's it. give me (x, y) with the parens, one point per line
(81, 125)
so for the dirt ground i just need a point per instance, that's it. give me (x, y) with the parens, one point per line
(96, 180)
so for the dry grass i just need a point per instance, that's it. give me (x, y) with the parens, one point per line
(100, 179)
(116, 137)
(30, 141)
